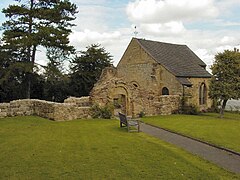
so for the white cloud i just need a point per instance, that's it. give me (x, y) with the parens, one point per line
(205, 55)
(165, 20)
(91, 17)
(99, 23)
(169, 28)
(89, 37)
(157, 20)
(114, 42)
(162, 11)
(224, 47)
(227, 40)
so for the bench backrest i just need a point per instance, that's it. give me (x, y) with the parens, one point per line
(123, 118)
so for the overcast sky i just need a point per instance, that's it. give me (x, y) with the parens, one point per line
(206, 26)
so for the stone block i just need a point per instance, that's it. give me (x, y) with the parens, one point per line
(3, 114)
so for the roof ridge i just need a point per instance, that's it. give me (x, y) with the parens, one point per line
(142, 39)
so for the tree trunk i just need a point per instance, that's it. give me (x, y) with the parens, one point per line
(31, 59)
(28, 95)
(223, 108)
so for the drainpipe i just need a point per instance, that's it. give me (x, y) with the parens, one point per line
(183, 96)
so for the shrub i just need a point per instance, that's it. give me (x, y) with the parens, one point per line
(104, 112)
(191, 109)
(141, 114)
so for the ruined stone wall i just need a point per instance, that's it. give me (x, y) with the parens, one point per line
(16, 108)
(138, 81)
(79, 102)
(136, 98)
(46, 109)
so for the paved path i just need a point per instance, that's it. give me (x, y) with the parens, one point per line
(222, 158)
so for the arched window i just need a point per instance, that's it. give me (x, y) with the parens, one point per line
(135, 85)
(165, 91)
(202, 94)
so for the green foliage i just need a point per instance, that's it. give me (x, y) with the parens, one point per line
(54, 84)
(36, 148)
(190, 109)
(56, 87)
(87, 68)
(104, 112)
(13, 78)
(225, 83)
(32, 24)
(117, 103)
(141, 114)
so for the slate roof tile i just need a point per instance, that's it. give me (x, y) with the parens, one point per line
(178, 59)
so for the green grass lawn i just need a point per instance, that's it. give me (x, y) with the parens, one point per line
(208, 127)
(36, 148)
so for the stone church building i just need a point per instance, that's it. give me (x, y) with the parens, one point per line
(154, 78)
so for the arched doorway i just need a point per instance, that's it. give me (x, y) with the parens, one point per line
(119, 103)
(121, 100)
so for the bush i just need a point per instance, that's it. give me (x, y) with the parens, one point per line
(141, 114)
(104, 112)
(191, 109)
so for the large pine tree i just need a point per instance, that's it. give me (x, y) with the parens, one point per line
(34, 23)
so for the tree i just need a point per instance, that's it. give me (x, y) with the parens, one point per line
(56, 82)
(37, 23)
(87, 68)
(11, 76)
(225, 83)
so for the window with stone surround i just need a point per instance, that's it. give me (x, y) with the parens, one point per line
(165, 91)
(202, 94)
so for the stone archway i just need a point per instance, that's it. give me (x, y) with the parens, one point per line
(120, 103)
(121, 100)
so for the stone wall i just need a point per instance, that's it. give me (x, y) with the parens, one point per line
(16, 108)
(194, 92)
(130, 99)
(138, 67)
(168, 104)
(137, 83)
(73, 108)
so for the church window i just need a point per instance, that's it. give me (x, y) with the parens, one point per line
(202, 94)
(165, 91)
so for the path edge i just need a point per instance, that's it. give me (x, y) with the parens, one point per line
(195, 139)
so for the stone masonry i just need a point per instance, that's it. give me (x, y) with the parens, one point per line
(145, 82)
(130, 98)
(72, 108)
(151, 78)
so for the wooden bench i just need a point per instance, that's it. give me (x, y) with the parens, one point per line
(129, 122)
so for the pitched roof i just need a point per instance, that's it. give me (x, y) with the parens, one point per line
(178, 59)
(184, 81)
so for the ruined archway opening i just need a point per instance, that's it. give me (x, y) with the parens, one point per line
(120, 103)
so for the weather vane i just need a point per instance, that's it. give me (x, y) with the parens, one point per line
(135, 31)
